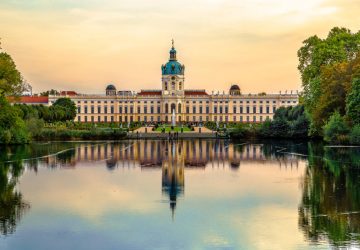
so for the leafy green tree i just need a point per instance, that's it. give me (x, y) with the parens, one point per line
(355, 135)
(339, 46)
(68, 107)
(12, 128)
(49, 92)
(353, 102)
(11, 81)
(336, 130)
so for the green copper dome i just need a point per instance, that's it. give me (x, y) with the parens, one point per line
(173, 67)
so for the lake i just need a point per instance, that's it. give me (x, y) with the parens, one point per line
(188, 194)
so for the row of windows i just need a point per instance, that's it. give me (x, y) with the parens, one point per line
(195, 110)
(187, 118)
(274, 102)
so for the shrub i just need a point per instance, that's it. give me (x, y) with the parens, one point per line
(355, 135)
(336, 130)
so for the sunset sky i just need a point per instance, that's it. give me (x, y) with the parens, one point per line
(83, 45)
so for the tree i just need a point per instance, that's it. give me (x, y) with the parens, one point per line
(12, 128)
(68, 107)
(11, 81)
(49, 92)
(353, 102)
(339, 46)
(336, 130)
(335, 84)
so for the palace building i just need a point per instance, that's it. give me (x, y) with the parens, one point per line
(189, 105)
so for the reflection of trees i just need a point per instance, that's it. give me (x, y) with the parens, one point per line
(330, 207)
(12, 206)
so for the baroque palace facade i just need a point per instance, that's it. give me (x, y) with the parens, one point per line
(189, 105)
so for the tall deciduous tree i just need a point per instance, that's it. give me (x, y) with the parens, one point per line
(11, 81)
(327, 67)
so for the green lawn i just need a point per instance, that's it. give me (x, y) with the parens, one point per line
(176, 129)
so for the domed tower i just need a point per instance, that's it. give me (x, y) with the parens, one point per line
(173, 75)
(110, 90)
(234, 90)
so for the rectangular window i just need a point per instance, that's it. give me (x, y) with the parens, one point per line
(105, 109)
(215, 110)
(85, 118)
(261, 118)
(151, 118)
(92, 109)
(158, 118)
(226, 118)
(105, 118)
(120, 118)
(261, 109)
(79, 109)
(221, 109)
(99, 109)
(112, 118)
(145, 118)
(194, 118)
(200, 109)
(254, 118)
(145, 110)
(254, 109)
(126, 109)
(267, 109)
(126, 119)
(247, 118)
(187, 110)
(92, 118)
(274, 109)
(158, 110)
(131, 110)
(99, 119)
(112, 109)
(207, 118)
(138, 110)
(152, 110)
(138, 118)
(226, 109)
(194, 110)
(234, 109)
(234, 118)
(241, 118)
(247, 109)
(241, 109)
(187, 118)
(79, 119)
(207, 109)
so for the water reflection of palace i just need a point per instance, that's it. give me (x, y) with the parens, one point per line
(190, 153)
(172, 157)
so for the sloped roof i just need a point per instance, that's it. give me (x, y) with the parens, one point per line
(195, 92)
(29, 99)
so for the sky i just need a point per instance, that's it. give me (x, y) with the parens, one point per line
(83, 45)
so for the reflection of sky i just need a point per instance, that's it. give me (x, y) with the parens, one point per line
(254, 207)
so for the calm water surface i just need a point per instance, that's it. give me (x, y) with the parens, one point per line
(191, 194)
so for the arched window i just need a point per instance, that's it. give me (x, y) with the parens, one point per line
(179, 108)
(180, 85)
(166, 108)
(173, 85)
(166, 86)
(173, 107)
